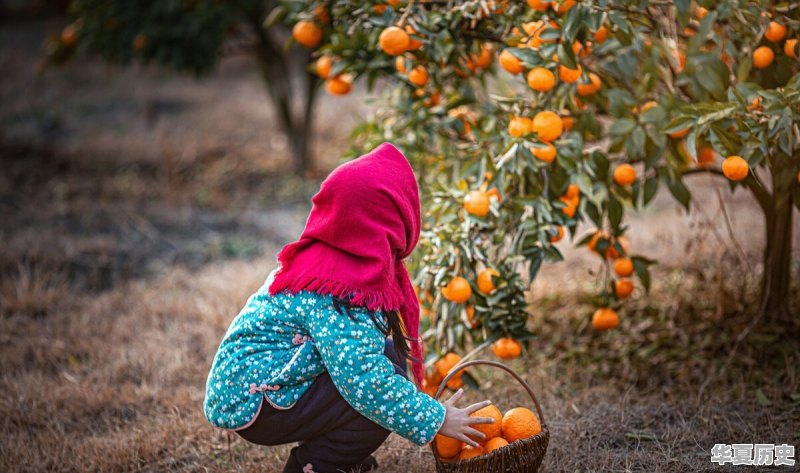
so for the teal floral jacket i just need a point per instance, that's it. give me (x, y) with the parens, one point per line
(276, 347)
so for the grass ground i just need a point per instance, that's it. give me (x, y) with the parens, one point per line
(127, 250)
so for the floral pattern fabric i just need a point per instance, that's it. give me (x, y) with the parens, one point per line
(276, 347)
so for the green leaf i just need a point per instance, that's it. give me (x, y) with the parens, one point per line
(623, 126)
(614, 212)
(680, 192)
(640, 266)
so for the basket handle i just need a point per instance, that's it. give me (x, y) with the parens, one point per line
(461, 366)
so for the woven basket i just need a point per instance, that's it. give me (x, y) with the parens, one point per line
(521, 456)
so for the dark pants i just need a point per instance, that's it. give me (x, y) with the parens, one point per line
(333, 436)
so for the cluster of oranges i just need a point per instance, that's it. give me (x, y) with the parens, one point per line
(763, 56)
(515, 425)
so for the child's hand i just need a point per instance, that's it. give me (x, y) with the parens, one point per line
(457, 421)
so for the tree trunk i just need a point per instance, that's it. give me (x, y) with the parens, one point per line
(777, 256)
(281, 76)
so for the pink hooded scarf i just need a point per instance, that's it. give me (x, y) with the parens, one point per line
(364, 221)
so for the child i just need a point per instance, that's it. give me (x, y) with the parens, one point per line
(308, 359)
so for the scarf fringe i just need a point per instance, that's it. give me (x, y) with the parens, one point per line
(372, 300)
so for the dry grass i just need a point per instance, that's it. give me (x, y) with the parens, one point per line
(115, 383)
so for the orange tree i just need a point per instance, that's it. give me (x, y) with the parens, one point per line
(191, 36)
(527, 120)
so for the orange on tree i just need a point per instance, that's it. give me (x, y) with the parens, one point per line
(418, 76)
(590, 88)
(541, 79)
(547, 153)
(775, 32)
(444, 364)
(605, 319)
(519, 126)
(69, 35)
(485, 283)
(506, 348)
(624, 174)
(307, 33)
(705, 155)
(400, 64)
(520, 423)
(569, 75)
(700, 12)
(567, 121)
(470, 452)
(339, 85)
(679, 134)
(547, 125)
(601, 35)
(477, 203)
(763, 57)
(473, 322)
(510, 63)
(489, 430)
(558, 235)
(457, 290)
(623, 267)
(790, 48)
(484, 59)
(623, 288)
(394, 41)
(413, 44)
(321, 14)
(735, 168)
(448, 447)
(562, 6)
(539, 5)
(323, 66)
(495, 443)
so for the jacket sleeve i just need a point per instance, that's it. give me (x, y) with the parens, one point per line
(352, 349)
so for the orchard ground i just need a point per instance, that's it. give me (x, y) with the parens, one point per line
(140, 209)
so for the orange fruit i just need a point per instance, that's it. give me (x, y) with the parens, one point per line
(541, 79)
(394, 41)
(413, 44)
(580, 50)
(624, 175)
(775, 32)
(562, 6)
(623, 288)
(790, 48)
(477, 203)
(592, 87)
(506, 348)
(307, 33)
(434, 99)
(679, 134)
(763, 57)
(457, 290)
(756, 104)
(444, 364)
(473, 322)
(605, 319)
(623, 267)
(470, 452)
(558, 235)
(569, 75)
(418, 76)
(489, 430)
(601, 35)
(447, 447)
(495, 443)
(700, 13)
(510, 63)
(538, 5)
(321, 14)
(455, 382)
(400, 64)
(484, 59)
(567, 122)
(139, 42)
(573, 191)
(546, 154)
(493, 192)
(485, 282)
(680, 58)
(323, 66)
(647, 106)
(547, 125)
(519, 126)
(705, 155)
(69, 36)
(520, 423)
(338, 85)
(735, 168)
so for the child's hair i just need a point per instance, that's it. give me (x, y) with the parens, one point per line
(393, 327)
